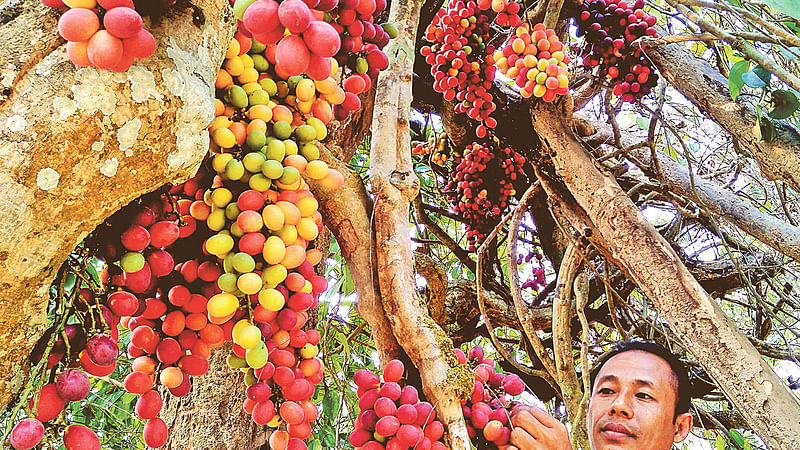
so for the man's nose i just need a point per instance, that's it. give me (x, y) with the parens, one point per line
(622, 406)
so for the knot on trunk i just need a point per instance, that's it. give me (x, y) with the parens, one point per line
(405, 182)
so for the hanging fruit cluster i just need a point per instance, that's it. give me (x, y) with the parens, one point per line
(481, 186)
(610, 27)
(438, 149)
(392, 416)
(487, 410)
(536, 280)
(536, 62)
(114, 46)
(461, 58)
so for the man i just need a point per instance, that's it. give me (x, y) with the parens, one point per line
(640, 400)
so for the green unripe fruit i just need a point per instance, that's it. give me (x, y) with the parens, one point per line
(240, 6)
(268, 84)
(227, 262)
(132, 262)
(219, 244)
(254, 160)
(276, 150)
(309, 152)
(282, 130)
(227, 282)
(257, 356)
(232, 211)
(255, 140)
(361, 65)
(238, 96)
(390, 29)
(272, 169)
(243, 263)
(234, 170)
(235, 362)
(322, 130)
(256, 47)
(290, 175)
(216, 220)
(249, 377)
(258, 97)
(291, 147)
(292, 81)
(259, 182)
(259, 62)
(305, 133)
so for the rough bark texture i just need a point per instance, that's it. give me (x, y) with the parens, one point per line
(708, 90)
(211, 416)
(747, 380)
(395, 185)
(76, 144)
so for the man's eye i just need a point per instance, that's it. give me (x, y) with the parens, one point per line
(644, 396)
(605, 391)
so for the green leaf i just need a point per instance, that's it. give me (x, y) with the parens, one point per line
(330, 405)
(735, 82)
(788, 7)
(315, 445)
(756, 78)
(786, 103)
(787, 54)
(69, 281)
(767, 130)
(737, 438)
(645, 124)
(719, 443)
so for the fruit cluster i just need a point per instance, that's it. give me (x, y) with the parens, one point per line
(536, 279)
(486, 410)
(481, 186)
(610, 27)
(536, 62)
(460, 57)
(116, 45)
(437, 149)
(362, 40)
(392, 416)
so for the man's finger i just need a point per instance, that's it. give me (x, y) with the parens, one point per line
(524, 441)
(529, 423)
(543, 417)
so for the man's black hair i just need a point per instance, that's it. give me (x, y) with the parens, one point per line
(678, 368)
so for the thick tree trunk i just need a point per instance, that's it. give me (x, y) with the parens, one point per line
(747, 380)
(76, 144)
(704, 86)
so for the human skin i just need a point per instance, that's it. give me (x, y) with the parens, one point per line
(632, 407)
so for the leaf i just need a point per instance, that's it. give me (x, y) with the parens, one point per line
(786, 103)
(330, 405)
(756, 78)
(767, 130)
(719, 443)
(644, 123)
(315, 445)
(735, 82)
(787, 54)
(737, 438)
(788, 7)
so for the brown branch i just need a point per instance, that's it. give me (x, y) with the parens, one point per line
(433, 272)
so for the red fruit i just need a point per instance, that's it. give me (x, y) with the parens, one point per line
(263, 412)
(322, 39)
(95, 369)
(139, 282)
(407, 414)
(261, 16)
(77, 52)
(163, 234)
(409, 396)
(513, 385)
(168, 351)
(493, 430)
(425, 413)
(48, 404)
(182, 389)
(366, 7)
(319, 67)
(155, 433)
(434, 430)
(78, 437)
(136, 238)
(393, 371)
(291, 55)
(161, 264)
(367, 399)
(409, 435)
(387, 426)
(149, 405)
(174, 323)
(258, 392)
(366, 379)
(145, 338)
(351, 101)
(208, 271)
(292, 413)
(104, 50)
(391, 390)
(140, 45)
(377, 60)
(194, 365)
(359, 437)
(385, 407)
(78, 24)
(326, 5)
(138, 382)
(72, 385)
(252, 243)
(250, 200)
(102, 350)
(354, 84)
(294, 15)
(123, 303)
(179, 295)
(27, 434)
(122, 22)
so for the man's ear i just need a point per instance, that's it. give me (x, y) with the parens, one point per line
(683, 425)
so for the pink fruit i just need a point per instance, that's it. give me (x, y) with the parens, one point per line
(294, 15)
(366, 379)
(78, 437)
(261, 16)
(391, 390)
(291, 55)
(385, 407)
(258, 392)
(136, 238)
(163, 234)
(78, 24)
(359, 437)
(104, 50)
(140, 45)
(27, 434)
(155, 433)
(123, 303)
(72, 385)
(387, 426)
(409, 435)
(409, 396)
(102, 350)
(319, 67)
(407, 414)
(161, 263)
(149, 405)
(122, 22)
(139, 282)
(513, 385)
(321, 38)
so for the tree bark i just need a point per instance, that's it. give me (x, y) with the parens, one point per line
(395, 185)
(77, 144)
(747, 380)
(704, 86)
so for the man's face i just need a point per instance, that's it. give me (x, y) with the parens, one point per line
(633, 403)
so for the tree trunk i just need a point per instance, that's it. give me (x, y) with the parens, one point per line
(79, 143)
(747, 380)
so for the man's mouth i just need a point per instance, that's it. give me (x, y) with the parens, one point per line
(617, 431)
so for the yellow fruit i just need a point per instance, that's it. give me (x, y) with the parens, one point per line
(234, 66)
(322, 130)
(249, 88)
(274, 275)
(224, 137)
(249, 283)
(237, 329)
(262, 112)
(221, 305)
(216, 220)
(309, 351)
(219, 244)
(221, 197)
(288, 234)
(273, 217)
(249, 337)
(247, 61)
(307, 206)
(305, 90)
(220, 162)
(233, 49)
(274, 250)
(257, 356)
(317, 170)
(219, 122)
(271, 299)
(307, 229)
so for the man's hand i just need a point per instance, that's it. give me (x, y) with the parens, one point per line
(534, 429)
